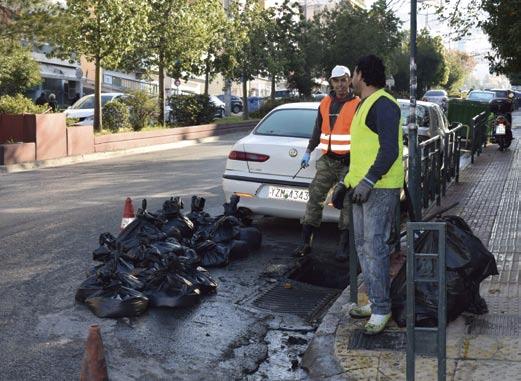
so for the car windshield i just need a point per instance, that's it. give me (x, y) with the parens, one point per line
(421, 114)
(88, 102)
(296, 123)
(434, 93)
(480, 96)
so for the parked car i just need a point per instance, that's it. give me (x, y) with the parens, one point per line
(430, 118)
(236, 103)
(263, 168)
(481, 95)
(220, 106)
(83, 108)
(286, 93)
(440, 97)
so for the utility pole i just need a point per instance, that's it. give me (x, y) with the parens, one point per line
(414, 154)
(227, 81)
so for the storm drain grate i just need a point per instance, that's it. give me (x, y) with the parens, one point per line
(496, 325)
(301, 299)
(392, 341)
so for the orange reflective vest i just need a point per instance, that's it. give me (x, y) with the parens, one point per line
(338, 137)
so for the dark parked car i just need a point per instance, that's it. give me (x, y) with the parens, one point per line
(236, 105)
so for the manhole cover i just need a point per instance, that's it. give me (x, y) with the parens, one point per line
(496, 325)
(301, 299)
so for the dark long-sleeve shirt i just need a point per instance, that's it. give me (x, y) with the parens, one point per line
(334, 109)
(384, 120)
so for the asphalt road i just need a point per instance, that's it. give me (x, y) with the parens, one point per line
(50, 220)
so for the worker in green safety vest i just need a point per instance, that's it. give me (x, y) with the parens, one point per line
(375, 176)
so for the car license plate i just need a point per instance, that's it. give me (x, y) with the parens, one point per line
(500, 129)
(292, 194)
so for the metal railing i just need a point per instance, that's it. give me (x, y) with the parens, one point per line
(478, 134)
(439, 161)
(435, 336)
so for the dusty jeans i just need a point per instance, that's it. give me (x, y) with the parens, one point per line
(372, 228)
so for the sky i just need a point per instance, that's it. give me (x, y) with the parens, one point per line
(476, 45)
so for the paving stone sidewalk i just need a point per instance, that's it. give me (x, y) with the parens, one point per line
(479, 347)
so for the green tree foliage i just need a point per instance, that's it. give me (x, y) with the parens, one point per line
(18, 71)
(191, 110)
(18, 104)
(116, 116)
(283, 26)
(432, 67)
(26, 19)
(308, 64)
(503, 27)
(103, 32)
(349, 32)
(176, 37)
(142, 107)
(460, 65)
(244, 56)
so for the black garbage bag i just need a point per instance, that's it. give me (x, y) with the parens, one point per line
(212, 254)
(230, 208)
(138, 232)
(182, 224)
(197, 215)
(88, 287)
(252, 236)
(225, 229)
(168, 289)
(468, 263)
(238, 249)
(117, 301)
(201, 279)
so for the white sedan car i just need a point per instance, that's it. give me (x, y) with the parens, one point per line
(83, 108)
(263, 168)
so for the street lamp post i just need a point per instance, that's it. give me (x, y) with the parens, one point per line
(414, 154)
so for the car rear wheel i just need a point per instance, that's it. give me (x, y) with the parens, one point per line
(236, 109)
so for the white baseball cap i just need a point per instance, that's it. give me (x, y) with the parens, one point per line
(339, 71)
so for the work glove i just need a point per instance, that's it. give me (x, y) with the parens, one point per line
(361, 192)
(305, 160)
(339, 193)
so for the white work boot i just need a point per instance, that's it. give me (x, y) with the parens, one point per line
(376, 324)
(360, 312)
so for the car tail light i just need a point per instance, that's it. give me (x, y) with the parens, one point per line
(247, 156)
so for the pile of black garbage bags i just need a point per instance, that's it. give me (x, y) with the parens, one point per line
(468, 263)
(159, 259)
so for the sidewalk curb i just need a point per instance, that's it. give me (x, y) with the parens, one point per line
(107, 155)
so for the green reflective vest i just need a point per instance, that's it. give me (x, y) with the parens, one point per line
(365, 145)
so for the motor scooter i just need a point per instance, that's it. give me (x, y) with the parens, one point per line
(502, 132)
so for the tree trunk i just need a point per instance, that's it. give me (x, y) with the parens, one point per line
(207, 76)
(272, 87)
(98, 123)
(245, 113)
(161, 95)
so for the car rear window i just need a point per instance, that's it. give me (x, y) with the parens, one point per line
(435, 93)
(480, 96)
(296, 123)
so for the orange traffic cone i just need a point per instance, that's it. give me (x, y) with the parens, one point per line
(128, 213)
(93, 366)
